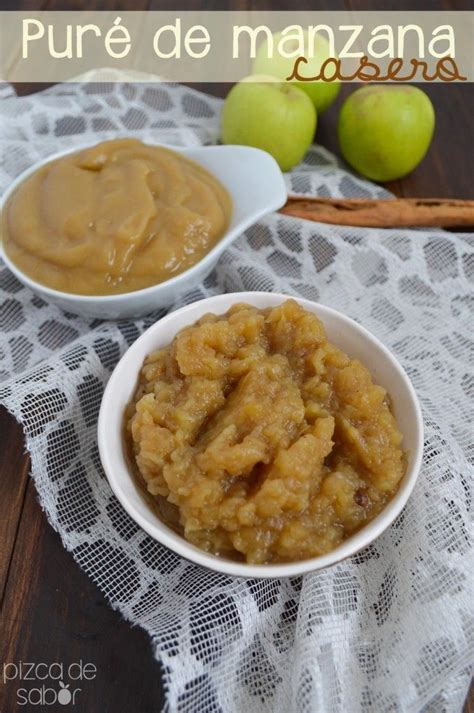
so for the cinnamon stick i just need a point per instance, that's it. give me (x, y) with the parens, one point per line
(382, 213)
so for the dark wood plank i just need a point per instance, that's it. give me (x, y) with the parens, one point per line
(447, 167)
(408, 5)
(13, 483)
(53, 612)
(446, 171)
(469, 704)
(23, 5)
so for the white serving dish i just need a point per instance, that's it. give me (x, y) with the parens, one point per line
(256, 187)
(342, 331)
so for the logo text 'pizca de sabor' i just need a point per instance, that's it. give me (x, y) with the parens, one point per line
(47, 684)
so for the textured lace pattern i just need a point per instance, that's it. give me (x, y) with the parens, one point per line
(389, 630)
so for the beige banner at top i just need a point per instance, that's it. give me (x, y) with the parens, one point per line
(221, 46)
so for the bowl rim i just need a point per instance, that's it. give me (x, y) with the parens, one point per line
(229, 236)
(354, 543)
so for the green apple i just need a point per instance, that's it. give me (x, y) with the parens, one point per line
(322, 94)
(385, 130)
(274, 116)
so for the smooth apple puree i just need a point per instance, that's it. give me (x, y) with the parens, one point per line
(260, 440)
(114, 218)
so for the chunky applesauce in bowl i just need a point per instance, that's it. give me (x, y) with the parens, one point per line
(258, 439)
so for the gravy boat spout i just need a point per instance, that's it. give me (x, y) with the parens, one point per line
(252, 178)
(256, 186)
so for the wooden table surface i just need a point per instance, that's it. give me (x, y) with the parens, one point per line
(50, 610)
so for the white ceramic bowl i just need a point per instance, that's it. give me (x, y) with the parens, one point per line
(342, 331)
(256, 186)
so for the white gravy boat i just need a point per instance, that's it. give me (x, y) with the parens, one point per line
(256, 186)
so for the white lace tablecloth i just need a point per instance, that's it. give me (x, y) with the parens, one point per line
(388, 631)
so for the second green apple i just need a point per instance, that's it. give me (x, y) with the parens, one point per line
(385, 130)
(315, 50)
